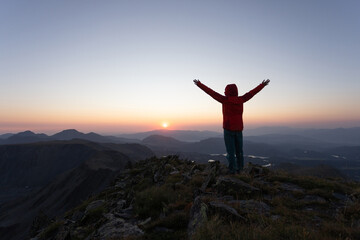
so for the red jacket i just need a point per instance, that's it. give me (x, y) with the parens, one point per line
(232, 104)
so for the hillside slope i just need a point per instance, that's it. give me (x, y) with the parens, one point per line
(168, 198)
(96, 166)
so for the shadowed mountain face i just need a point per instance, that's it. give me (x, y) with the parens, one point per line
(67, 171)
(26, 137)
(34, 165)
(6, 135)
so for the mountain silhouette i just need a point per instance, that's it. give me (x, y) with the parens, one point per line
(73, 134)
(181, 135)
(26, 137)
(69, 134)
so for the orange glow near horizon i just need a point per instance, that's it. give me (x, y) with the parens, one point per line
(122, 122)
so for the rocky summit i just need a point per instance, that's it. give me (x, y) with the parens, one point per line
(170, 198)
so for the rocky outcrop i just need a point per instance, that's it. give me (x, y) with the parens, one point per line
(233, 186)
(171, 198)
(198, 215)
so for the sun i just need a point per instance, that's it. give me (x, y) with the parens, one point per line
(165, 124)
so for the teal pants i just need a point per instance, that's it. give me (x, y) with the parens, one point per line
(234, 149)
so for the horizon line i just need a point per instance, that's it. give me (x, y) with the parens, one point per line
(53, 132)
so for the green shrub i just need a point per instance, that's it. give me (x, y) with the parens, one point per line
(51, 230)
(196, 181)
(151, 202)
(174, 221)
(93, 215)
(143, 184)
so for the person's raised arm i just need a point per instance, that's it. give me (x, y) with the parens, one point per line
(218, 97)
(249, 95)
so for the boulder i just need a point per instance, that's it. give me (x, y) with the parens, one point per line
(118, 228)
(198, 215)
(120, 204)
(291, 188)
(255, 170)
(235, 187)
(77, 216)
(313, 199)
(226, 211)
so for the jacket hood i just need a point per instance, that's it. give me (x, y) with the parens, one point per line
(231, 90)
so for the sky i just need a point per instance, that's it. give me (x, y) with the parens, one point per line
(128, 65)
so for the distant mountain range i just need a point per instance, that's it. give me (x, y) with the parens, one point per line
(271, 135)
(69, 134)
(182, 135)
(299, 146)
(30, 137)
(338, 136)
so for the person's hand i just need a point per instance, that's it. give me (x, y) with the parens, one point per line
(265, 82)
(196, 81)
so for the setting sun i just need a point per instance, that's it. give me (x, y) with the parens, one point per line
(165, 124)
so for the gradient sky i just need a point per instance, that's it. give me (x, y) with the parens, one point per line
(127, 66)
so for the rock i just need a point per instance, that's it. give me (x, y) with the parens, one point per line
(251, 206)
(226, 198)
(198, 215)
(226, 211)
(235, 187)
(208, 179)
(109, 216)
(341, 197)
(194, 169)
(162, 229)
(158, 177)
(93, 205)
(77, 216)
(120, 184)
(146, 221)
(120, 204)
(291, 187)
(313, 199)
(186, 179)
(125, 213)
(267, 197)
(118, 228)
(255, 170)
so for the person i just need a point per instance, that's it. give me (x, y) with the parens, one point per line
(232, 109)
